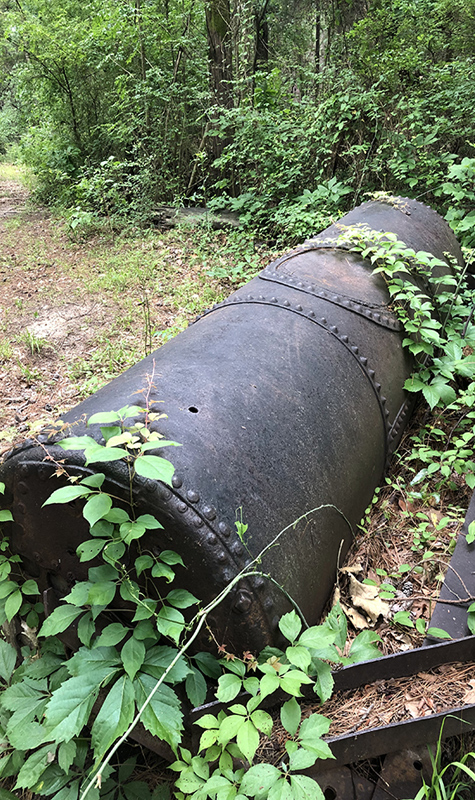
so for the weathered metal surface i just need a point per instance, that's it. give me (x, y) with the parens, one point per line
(287, 396)
(458, 590)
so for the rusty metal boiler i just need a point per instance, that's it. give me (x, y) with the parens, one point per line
(286, 396)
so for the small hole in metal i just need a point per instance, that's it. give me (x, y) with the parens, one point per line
(193, 409)
(418, 765)
(329, 793)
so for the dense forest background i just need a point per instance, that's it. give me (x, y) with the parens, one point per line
(287, 111)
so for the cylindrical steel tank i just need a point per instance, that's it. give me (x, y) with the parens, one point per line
(286, 396)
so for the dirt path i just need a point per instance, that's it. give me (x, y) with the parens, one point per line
(48, 320)
(72, 306)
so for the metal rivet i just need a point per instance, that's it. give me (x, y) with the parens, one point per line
(259, 583)
(177, 481)
(311, 313)
(181, 507)
(377, 387)
(192, 496)
(224, 529)
(387, 412)
(164, 493)
(150, 485)
(300, 285)
(273, 300)
(334, 329)
(237, 548)
(37, 556)
(55, 563)
(222, 557)
(275, 622)
(371, 373)
(243, 601)
(286, 303)
(298, 307)
(268, 603)
(363, 360)
(250, 297)
(212, 539)
(21, 508)
(24, 470)
(377, 317)
(197, 522)
(345, 339)
(355, 350)
(22, 488)
(209, 512)
(70, 576)
(383, 400)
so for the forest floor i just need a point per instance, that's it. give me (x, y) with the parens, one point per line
(77, 307)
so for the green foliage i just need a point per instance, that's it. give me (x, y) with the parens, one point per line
(437, 322)
(47, 695)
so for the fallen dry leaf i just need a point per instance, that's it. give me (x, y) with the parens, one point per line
(357, 620)
(367, 598)
(352, 569)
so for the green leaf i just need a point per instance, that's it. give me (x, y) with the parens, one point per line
(101, 594)
(70, 705)
(149, 522)
(111, 635)
(33, 768)
(262, 721)
(158, 659)
(438, 633)
(95, 481)
(103, 418)
(156, 468)
(59, 619)
(5, 515)
(90, 549)
(195, 687)
(470, 538)
(8, 658)
(114, 717)
(317, 637)
(324, 684)
(162, 716)
(67, 494)
(180, 598)
(170, 557)
(142, 563)
(30, 587)
(77, 442)
(160, 570)
(292, 681)
(229, 728)
(305, 788)
(229, 686)
(98, 454)
(302, 759)
(364, 647)
(133, 656)
(290, 626)
(13, 604)
(403, 618)
(97, 507)
(290, 716)
(299, 656)
(248, 739)
(259, 779)
(66, 755)
(170, 622)
(280, 791)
